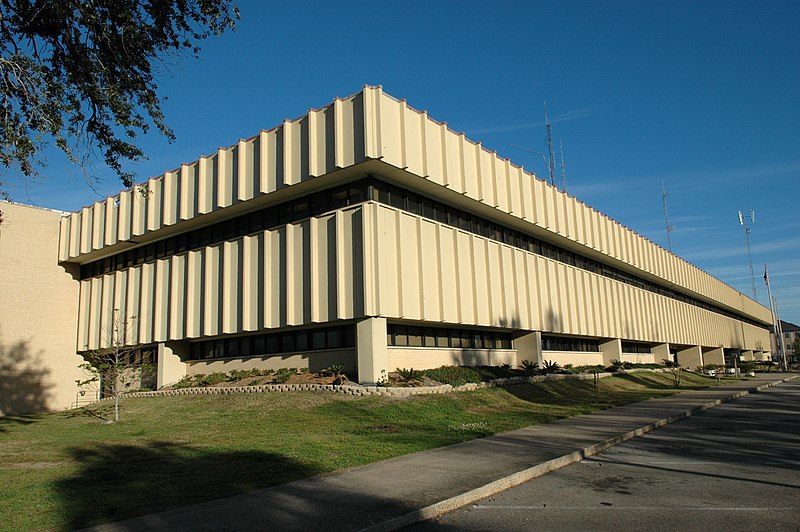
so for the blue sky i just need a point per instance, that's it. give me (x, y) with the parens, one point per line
(702, 96)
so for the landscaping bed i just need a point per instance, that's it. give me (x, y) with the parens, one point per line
(401, 377)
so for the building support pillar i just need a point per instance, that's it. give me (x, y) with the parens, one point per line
(714, 356)
(691, 357)
(661, 353)
(529, 347)
(612, 350)
(171, 368)
(371, 352)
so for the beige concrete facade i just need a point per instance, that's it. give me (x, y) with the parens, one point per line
(38, 314)
(443, 235)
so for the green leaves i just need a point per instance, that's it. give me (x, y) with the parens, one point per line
(83, 73)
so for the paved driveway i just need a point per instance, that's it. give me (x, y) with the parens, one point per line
(734, 467)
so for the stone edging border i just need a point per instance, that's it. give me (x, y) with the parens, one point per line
(475, 495)
(358, 390)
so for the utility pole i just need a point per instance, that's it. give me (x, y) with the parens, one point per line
(552, 157)
(743, 222)
(780, 335)
(666, 215)
(776, 324)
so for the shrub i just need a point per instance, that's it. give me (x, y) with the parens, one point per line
(488, 373)
(239, 374)
(619, 364)
(210, 379)
(187, 381)
(453, 375)
(575, 370)
(530, 367)
(746, 366)
(551, 366)
(337, 372)
(284, 374)
(408, 374)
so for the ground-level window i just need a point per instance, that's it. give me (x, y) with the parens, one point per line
(563, 343)
(636, 347)
(414, 336)
(341, 337)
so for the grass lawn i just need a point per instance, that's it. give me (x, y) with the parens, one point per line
(70, 470)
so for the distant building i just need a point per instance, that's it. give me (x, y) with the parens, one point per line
(367, 234)
(791, 333)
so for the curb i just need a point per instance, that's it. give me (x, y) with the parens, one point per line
(474, 495)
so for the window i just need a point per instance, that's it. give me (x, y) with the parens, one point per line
(259, 345)
(338, 198)
(318, 340)
(301, 341)
(415, 337)
(560, 343)
(269, 344)
(411, 336)
(400, 336)
(357, 192)
(334, 339)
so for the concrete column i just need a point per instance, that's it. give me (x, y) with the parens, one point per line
(691, 357)
(714, 356)
(371, 353)
(747, 355)
(661, 353)
(612, 350)
(171, 368)
(529, 347)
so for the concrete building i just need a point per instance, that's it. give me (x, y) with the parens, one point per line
(367, 234)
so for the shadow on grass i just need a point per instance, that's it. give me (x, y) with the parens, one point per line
(611, 392)
(116, 482)
(561, 393)
(649, 382)
(100, 411)
(8, 421)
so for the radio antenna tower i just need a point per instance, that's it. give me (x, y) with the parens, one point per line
(666, 215)
(552, 158)
(563, 168)
(743, 221)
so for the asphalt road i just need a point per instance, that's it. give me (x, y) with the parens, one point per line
(733, 467)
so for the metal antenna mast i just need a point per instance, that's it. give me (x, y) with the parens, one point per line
(551, 162)
(780, 346)
(563, 168)
(743, 222)
(666, 215)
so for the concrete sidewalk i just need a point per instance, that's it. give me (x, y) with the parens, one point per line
(403, 490)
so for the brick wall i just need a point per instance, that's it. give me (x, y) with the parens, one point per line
(38, 315)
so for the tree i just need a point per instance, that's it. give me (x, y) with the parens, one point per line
(120, 367)
(83, 73)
